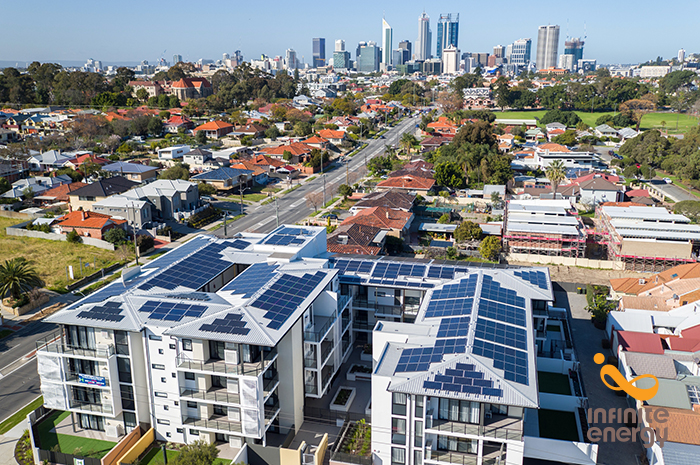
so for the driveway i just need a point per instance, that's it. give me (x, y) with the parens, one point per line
(587, 342)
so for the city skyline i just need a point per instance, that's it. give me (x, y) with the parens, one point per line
(242, 30)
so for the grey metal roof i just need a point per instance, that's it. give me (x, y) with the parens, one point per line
(222, 174)
(671, 393)
(542, 228)
(676, 453)
(658, 365)
(644, 213)
(124, 167)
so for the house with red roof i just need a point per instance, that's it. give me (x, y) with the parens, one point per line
(269, 164)
(299, 151)
(60, 193)
(194, 87)
(396, 222)
(407, 183)
(153, 88)
(259, 173)
(215, 129)
(317, 142)
(177, 122)
(89, 224)
(78, 161)
(251, 129)
(356, 238)
(335, 137)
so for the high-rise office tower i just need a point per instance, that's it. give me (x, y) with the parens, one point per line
(290, 59)
(574, 47)
(387, 44)
(547, 46)
(450, 60)
(447, 32)
(402, 54)
(406, 45)
(681, 55)
(361, 44)
(225, 57)
(424, 37)
(319, 52)
(341, 59)
(177, 59)
(340, 45)
(518, 53)
(499, 51)
(368, 61)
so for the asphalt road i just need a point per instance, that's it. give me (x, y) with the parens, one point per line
(293, 207)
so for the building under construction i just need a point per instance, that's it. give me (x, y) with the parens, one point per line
(647, 239)
(543, 227)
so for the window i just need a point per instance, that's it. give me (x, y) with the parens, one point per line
(191, 404)
(220, 410)
(167, 434)
(129, 420)
(92, 422)
(419, 406)
(163, 380)
(161, 394)
(418, 434)
(194, 432)
(127, 393)
(157, 366)
(398, 406)
(462, 411)
(163, 422)
(81, 337)
(465, 446)
(172, 346)
(189, 376)
(180, 430)
(121, 339)
(124, 368)
(694, 393)
(417, 457)
(187, 344)
(153, 337)
(165, 407)
(398, 431)
(173, 375)
(160, 351)
(176, 403)
(398, 456)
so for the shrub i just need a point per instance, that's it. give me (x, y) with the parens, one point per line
(73, 237)
(115, 236)
(144, 242)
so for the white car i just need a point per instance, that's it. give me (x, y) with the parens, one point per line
(668, 180)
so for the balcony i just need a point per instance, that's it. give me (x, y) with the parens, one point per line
(105, 409)
(310, 389)
(217, 423)
(74, 377)
(271, 412)
(55, 344)
(219, 367)
(362, 325)
(326, 350)
(219, 395)
(345, 322)
(269, 385)
(311, 362)
(387, 310)
(498, 427)
(342, 302)
(320, 328)
(451, 457)
(328, 372)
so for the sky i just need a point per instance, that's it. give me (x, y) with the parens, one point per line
(618, 31)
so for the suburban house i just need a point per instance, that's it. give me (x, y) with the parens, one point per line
(418, 168)
(396, 222)
(316, 142)
(132, 171)
(190, 88)
(225, 179)
(407, 183)
(606, 131)
(335, 137)
(13, 170)
(251, 129)
(260, 174)
(358, 239)
(153, 88)
(135, 211)
(174, 152)
(49, 160)
(77, 162)
(196, 158)
(269, 164)
(89, 224)
(299, 151)
(215, 129)
(86, 196)
(396, 200)
(167, 197)
(598, 190)
(431, 143)
(60, 193)
(177, 122)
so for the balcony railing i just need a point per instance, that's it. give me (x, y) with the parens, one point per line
(214, 424)
(362, 325)
(491, 431)
(344, 325)
(55, 344)
(387, 310)
(270, 384)
(311, 362)
(90, 407)
(213, 395)
(271, 411)
(220, 366)
(342, 302)
(451, 457)
(326, 350)
(311, 389)
(319, 331)
(326, 378)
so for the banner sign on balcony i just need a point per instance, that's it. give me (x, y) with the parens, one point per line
(94, 380)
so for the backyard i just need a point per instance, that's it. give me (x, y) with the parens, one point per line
(75, 445)
(155, 457)
(555, 424)
(50, 258)
(553, 383)
(649, 121)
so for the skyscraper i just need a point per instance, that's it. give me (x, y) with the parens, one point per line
(290, 59)
(447, 32)
(547, 46)
(319, 52)
(340, 45)
(387, 44)
(518, 53)
(424, 38)
(368, 61)
(406, 45)
(574, 47)
(177, 59)
(681, 55)
(450, 60)
(499, 51)
(361, 44)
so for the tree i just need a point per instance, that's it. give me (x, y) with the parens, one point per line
(345, 190)
(449, 174)
(177, 171)
(556, 173)
(567, 118)
(142, 95)
(490, 248)
(4, 185)
(73, 237)
(689, 208)
(468, 231)
(206, 189)
(287, 156)
(272, 132)
(17, 277)
(408, 140)
(155, 126)
(568, 138)
(201, 137)
(638, 108)
(115, 236)
(502, 92)
(197, 453)
(444, 219)
(314, 200)
(28, 193)
(599, 307)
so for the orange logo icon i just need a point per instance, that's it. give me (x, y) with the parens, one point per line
(622, 383)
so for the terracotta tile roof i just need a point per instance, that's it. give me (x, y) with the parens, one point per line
(646, 343)
(622, 204)
(295, 148)
(331, 134)
(213, 126)
(389, 199)
(354, 238)
(598, 184)
(265, 160)
(637, 193)
(177, 120)
(247, 165)
(385, 218)
(61, 192)
(552, 147)
(658, 304)
(190, 82)
(315, 140)
(408, 182)
(633, 286)
(682, 425)
(91, 220)
(608, 177)
(80, 159)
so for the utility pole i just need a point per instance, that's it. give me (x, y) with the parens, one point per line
(277, 212)
(347, 172)
(225, 218)
(240, 190)
(133, 232)
(324, 181)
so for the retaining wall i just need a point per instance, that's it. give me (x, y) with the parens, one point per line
(18, 230)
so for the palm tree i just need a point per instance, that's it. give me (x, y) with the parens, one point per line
(556, 173)
(408, 140)
(17, 277)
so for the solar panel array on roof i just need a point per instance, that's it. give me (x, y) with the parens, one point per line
(502, 334)
(288, 236)
(465, 379)
(419, 359)
(454, 327)
(453, 299)
(442, 272)
(394, 282)
(394, 270)
(512, 362)
(285, 295)
(502, 312)
(232, 323)
(117, 288)
(198, 296)
(171, 311)
(192, 272)
(176, 254)
(538, 278)
(110, 311)
(493, 290)
(353, 266)
(252, 279)
(239, 244)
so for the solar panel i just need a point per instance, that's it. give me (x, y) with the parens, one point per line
(239, 244)
(454, 327)
(350, 279)
(441, 272)
(463, 379)
(419, 359)
(176, 254)
(513, 362)
(493, 290)
(538, 278)
(502, 334)
(353, 266)
(453, 299)
(251, 279)
(502, 312)
(285, 295)
(280, 239)
(114, 289)
(192, 272)
(110, 311)
(230, 324)
(171, 311)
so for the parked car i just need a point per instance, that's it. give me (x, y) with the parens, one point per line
(668, 180)
(332, 216)
(207, 198)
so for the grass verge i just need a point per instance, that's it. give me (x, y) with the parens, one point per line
(155, 457)
(68, 444)
(4, 333)
(20, 415)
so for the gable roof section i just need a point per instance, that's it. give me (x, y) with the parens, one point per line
(295, 148)
(213, 126)
(385, 218)
(408, 182)
(105, 187)
(126, 167)
(647, 343)
(360, 239)
(389, 199)
(87, 219)
(222, 174)
(61, 192)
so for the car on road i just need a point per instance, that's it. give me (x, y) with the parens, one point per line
(332, 216)
(668, 180)
(207, 198)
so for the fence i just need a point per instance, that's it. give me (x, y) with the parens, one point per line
(331, 416)
(18, 230)
(49, 456)
(99, 273)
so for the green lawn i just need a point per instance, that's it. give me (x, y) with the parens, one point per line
(155, 457)
(68, 444)
(553, 383)
(650, 121)
(558, 425)
(20, 415)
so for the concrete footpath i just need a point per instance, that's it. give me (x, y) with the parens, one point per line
(8, 442)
